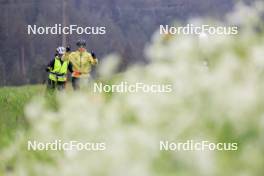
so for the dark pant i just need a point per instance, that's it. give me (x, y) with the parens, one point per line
(52, 85)
(61, 85)
(75, 83)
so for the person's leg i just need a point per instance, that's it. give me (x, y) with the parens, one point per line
(50, 87)
(51, 84)
(61, 85)
(75, 83)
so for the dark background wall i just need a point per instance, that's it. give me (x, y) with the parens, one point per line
(129, 23)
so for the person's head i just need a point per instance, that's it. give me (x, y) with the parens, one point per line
(81, 45)
(60, 51)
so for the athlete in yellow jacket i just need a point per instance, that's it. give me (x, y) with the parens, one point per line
(82, 62)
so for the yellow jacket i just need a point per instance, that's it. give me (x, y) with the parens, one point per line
(82, 63)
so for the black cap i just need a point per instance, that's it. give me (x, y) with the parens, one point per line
(81, 42)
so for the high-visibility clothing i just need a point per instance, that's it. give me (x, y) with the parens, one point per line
(59, 72)
(82, 63)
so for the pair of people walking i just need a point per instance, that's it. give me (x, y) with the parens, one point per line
(78, 62)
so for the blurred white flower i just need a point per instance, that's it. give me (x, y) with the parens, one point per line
(109, 66)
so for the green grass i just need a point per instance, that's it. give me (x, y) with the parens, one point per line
(12, 103)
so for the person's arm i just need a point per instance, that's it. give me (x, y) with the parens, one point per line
(70, 67)
(68, 49)
(94, 59)
(50, 66)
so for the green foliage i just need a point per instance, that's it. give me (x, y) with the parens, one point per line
(12, 102)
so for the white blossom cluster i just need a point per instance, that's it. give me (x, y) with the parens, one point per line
(218, 95)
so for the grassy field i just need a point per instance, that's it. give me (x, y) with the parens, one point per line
(12, 102)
